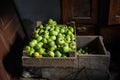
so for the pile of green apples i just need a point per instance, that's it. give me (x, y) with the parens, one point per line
(86, 50)
(51, 40)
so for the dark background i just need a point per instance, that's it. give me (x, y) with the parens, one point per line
(31, 11)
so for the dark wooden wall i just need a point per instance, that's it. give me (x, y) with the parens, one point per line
(11, 38)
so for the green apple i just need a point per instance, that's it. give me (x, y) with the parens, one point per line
(47, 27)
(46, 36)
(30, 53)
(72, 45)
(36, 55)
(49, 39)
(71, 29)
(53, 37)
(46, 32)
(59, 35)
(44, 40)
(60, 41)
(69, 32)
(72, 37)
(51, 54)
(66, 49)
(39, 38)
(58, 54)
(79, 51)
(51, 29)
(35, 35)
(54, 23)
(38, 45)
(41, 31)
(51, 43)
(27, 48)
(53, 33)
(41, 26)
(66, 29)
(41, 51)
(57, 29)
(33, 43)
(62, 30)
(50, 21)
(67, 39)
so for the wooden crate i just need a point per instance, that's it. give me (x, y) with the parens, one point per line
(93, 61)
(70, 61)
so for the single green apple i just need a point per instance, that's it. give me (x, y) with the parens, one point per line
(71, 29)
(27, 48)
(53, 37)
(60, 41)
(51, 43)
(73, 45)
(51, 54)
(67, 39)
(36, 55)
(39, 38)
(66, 49)
(58, 54)
(62, 30)
(41, 51)
(69, 32)
(33, 43)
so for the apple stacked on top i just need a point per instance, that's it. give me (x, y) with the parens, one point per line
(51, 40)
